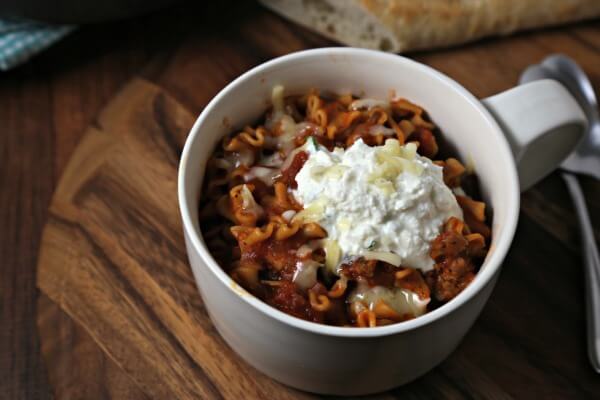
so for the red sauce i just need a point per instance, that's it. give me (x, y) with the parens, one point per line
(450, 277)
(454, 268)
(476, 225)
(274, 254)
(384, 275)
(285, 297)
(427, 144)
(416, 284)
(289, 175)
(332, 109)
(359, 268)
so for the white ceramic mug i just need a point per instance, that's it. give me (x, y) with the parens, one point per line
(530, 128)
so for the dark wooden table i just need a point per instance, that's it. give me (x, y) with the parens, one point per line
(193, 51)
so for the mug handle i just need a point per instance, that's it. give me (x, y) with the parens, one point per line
(542, 123)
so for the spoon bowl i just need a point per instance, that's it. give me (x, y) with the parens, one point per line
(585, 159)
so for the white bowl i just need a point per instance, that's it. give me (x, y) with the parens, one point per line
(353, 361)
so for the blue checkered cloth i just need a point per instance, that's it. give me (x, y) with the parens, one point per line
(22, 39)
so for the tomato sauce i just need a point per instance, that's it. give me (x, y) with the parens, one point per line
(289, 175)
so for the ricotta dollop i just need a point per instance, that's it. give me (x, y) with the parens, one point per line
(384, 202)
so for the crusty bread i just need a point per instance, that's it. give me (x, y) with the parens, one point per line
(401, 25)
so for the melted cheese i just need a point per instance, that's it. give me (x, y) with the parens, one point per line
(248, 202)
(305, 275)
(367, 104)
(283, 124)
(381, 130)
(265, 174)
(403, 301)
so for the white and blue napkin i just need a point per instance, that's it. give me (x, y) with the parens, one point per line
(21, 39)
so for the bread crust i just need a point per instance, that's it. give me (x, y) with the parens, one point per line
(404, 25)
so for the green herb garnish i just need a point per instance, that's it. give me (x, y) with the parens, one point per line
(372, 245)
(314, 142)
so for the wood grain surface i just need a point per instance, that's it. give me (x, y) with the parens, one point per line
(153, 340)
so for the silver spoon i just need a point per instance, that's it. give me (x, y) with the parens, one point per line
(585, 159)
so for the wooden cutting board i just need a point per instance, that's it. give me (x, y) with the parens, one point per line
(113, 256)
(120, 316)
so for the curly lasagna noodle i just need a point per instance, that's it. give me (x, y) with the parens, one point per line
(332, 209)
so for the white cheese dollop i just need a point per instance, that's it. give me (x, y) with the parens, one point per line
(374, 201)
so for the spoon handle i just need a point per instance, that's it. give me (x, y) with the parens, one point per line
(592, 270)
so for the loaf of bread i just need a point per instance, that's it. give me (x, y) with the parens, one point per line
(401, 25)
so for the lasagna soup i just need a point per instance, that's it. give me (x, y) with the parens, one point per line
(340, 210)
